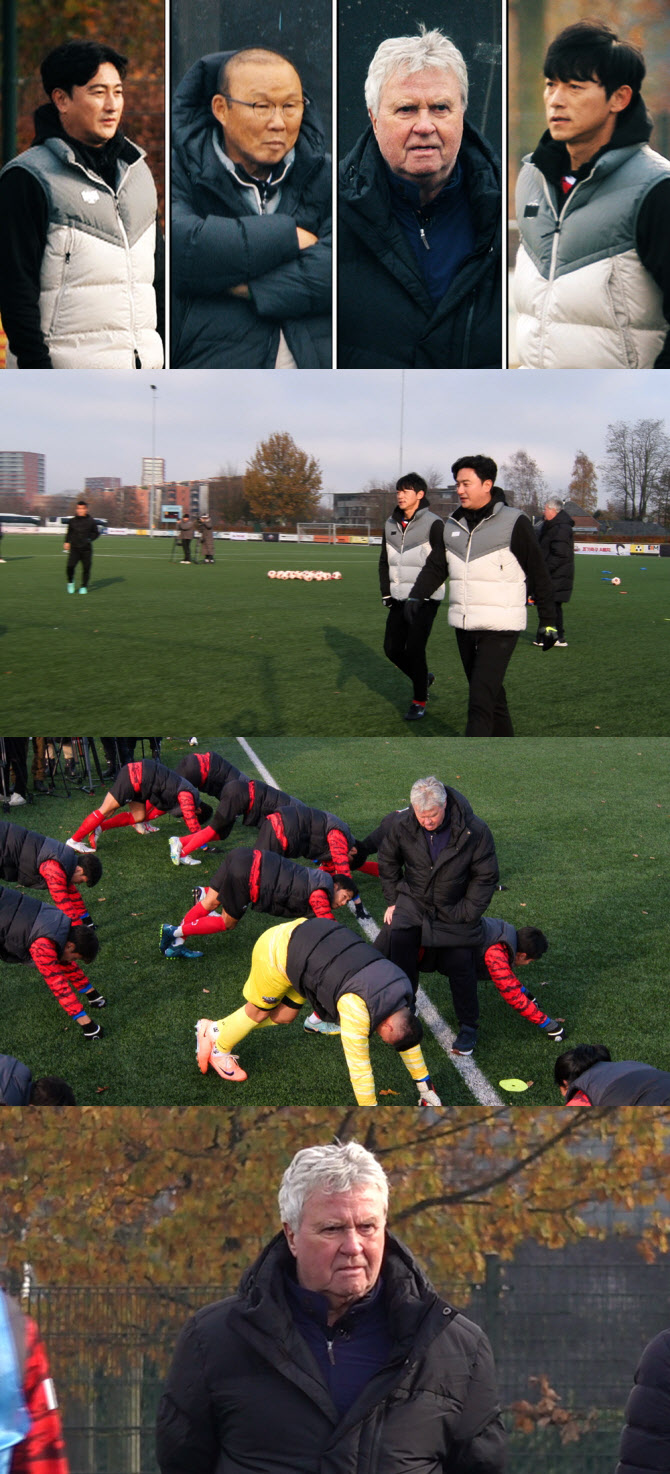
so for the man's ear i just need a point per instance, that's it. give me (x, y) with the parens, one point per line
(373, 120)
(620, 98)
(290, 1238)
(219, 107)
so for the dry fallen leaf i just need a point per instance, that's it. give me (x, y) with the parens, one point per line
(389, 1092)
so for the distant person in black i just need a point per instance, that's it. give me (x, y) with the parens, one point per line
(588, 1076)
(81, 532)
(185, 530)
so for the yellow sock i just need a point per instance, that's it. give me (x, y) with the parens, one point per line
(233, 1028)
(414, 1061)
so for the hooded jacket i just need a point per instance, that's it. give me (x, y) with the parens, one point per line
(645, 1440)
(245, 1395)
(386, 316)
(222, 237)
(95, 264)
(556, 540)
(592, 276)
(446, 898)
(406, 545)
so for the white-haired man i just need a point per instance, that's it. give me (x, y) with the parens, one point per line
(438, 871)
(336, 1352)
(419, 272)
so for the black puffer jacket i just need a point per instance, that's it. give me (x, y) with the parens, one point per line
(447, 898)
(645, 1440)
(244, 1395)
(218, 243)
(556, 540)
(386, 317)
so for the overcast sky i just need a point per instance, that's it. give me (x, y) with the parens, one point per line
(208, 422)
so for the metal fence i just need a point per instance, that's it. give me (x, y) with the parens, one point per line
(579, 1319)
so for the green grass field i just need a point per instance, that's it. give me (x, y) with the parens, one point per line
(224, 646)
(581, 835)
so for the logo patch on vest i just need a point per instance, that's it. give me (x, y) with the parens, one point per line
(531, 210)
(90, 195)
(269, 1000)
(455, 534)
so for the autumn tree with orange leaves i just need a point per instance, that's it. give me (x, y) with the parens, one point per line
(189, 1196)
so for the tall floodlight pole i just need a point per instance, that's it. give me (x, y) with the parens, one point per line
(402, 421)
(152, 503)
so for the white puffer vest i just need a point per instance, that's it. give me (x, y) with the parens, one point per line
(407, 552)
(487, 585)
(97, 301)
(583, 296)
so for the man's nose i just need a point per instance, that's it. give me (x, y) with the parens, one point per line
(351, 1242)
(424, 122)
(278, 121)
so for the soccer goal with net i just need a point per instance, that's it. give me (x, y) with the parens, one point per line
(333, 532)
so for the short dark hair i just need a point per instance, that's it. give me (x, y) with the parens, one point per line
(483, 466)
(75, 62)
(532, 941)
(254, 52)
(409, 1033)
(590, 51)
(570, 1065)
(345, 882)
(51, 1091)
(86, 941)
(91, 865)
(412, 482)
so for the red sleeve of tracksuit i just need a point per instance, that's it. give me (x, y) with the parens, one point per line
(186, 803)
(320, 904)
(60, 977)
(508, 985)
(43, 1451)
(579, 1098)
(339, 849)
(62, 892)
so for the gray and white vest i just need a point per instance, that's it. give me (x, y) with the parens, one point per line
(583, 297)
(487, 585)
(407, 552)
(97, 299)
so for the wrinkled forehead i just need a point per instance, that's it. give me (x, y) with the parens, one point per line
(363, 1201)
(434, 84)
(260, 72)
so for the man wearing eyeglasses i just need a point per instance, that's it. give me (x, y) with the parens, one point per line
(251, 198)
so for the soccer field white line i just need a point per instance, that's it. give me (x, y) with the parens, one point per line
(476, 1081)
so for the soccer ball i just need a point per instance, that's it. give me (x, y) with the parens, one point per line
(337, 575)
(193, 742)
(272, 573)
(616, 580)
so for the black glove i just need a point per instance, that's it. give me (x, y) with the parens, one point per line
(95, 1000)
(412, 607)
(548, 635)
(92, 1031)
(387, 601)
(555, 1029)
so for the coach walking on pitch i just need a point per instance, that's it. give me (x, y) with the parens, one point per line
(410, 533)
(489, 551)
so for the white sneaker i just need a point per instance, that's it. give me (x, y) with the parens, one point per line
(175, 849)
(561, 644)
(144, 827)
(16, 799)
(78, 844)
(95, 836)
(316, 1025)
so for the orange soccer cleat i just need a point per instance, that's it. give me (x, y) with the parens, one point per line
(226, 1065)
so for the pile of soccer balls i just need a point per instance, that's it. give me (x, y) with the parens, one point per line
(308, 575)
